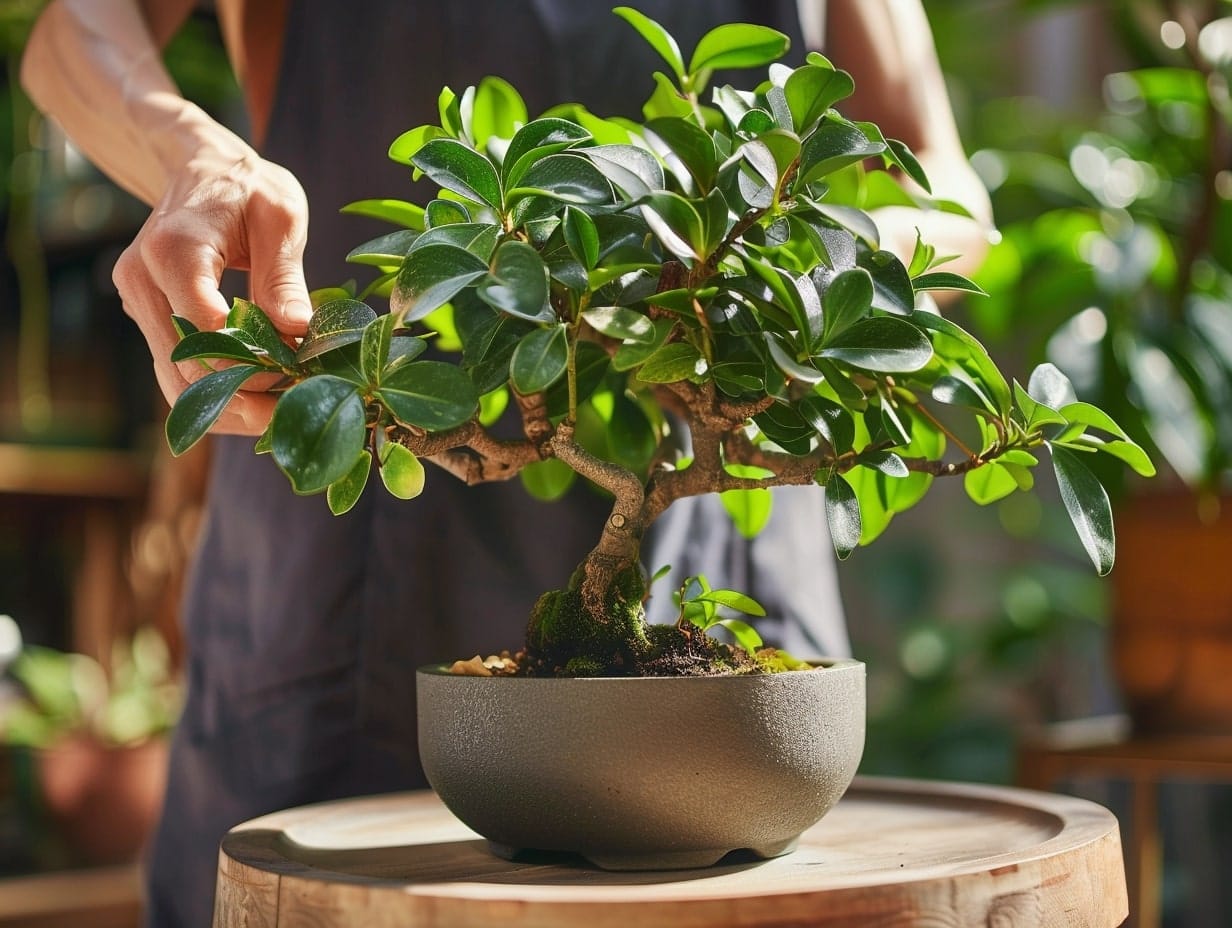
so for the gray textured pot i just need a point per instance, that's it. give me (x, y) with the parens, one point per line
(643, 773)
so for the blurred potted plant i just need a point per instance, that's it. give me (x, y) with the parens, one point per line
(97, 740)
(707, 278)
(1129, 279)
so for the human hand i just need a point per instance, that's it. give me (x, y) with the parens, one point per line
(223, 209)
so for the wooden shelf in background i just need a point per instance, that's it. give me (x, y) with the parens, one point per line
(106, 897)
(81, 472)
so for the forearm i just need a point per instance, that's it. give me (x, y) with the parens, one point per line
(95, 66)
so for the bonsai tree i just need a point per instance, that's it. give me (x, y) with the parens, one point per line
(705, 279)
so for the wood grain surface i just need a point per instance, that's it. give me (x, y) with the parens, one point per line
(892, 853)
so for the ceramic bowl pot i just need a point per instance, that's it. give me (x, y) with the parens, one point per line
(643, 773)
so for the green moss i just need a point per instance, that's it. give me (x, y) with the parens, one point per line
(562, 634)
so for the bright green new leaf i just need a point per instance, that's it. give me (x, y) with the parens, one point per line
(732, 600)
(344, 493)
(667, 100)
(318, 432)
(749, 511)
(622, 323)
(201, 403)
(656, 36)
(498, 111)
(384, 251)
(406, 146)
(842, 516)
(812, 90)
(430, 394)
(738, 45)
(547, 480)
(401, 472)
(540, 359)
(943, 280)
(457, 167)
(989, 483)
(1086, 501)
(518, 283)
(746, 636)
(442, 212)
(432, 276)
(399, 212)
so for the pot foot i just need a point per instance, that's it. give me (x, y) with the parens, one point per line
(663, 860)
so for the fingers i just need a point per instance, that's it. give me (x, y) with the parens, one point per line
(277, 222)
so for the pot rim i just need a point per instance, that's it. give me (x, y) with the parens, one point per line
(829, 663)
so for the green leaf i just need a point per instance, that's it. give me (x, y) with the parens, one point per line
(632, 353)
(842, 516)
(691, 144)
(812, 90)
(901, 155)
(672, 363)
(1051, 388)
(344, 493)
(960, 391)
(943, 280)
(986, 373)
(834, 146)
(459, 168)
(201, 403)
(746, 636)
(830, 420)
(318, 432)
(408, 144)
(568, 178)
(676, 224)
(892, 289)
(989, 482)
(431, 277)
(334, 324)
(547, 480)
(536, 140)
(732, 600)
(401, 472)
(1086, 501)
(634, 170)
(658, 38)
(518, 283)
(738, 45)
(1125, 451)
(385, 250)
(884, 344)
(399, 212)
(786, 361)
(582, 237)
(749, 510)
(540, 358)
(498, 111)
(444, 213)
(667, 100)
(430, 394)
(479, 238)
(213, 345)
(374, 347)
(885, 462)
(252, 320)
(848, 299)
(622, 323)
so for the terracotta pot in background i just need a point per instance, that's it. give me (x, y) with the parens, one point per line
(103, 800)
(1172, 614)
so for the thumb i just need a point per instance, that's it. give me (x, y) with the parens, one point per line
(278, 288)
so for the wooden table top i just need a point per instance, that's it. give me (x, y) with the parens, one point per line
(891, 853)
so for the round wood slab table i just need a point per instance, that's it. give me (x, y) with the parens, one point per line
(891, 853)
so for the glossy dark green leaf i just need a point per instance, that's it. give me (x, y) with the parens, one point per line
(830, 420)
(459, 168)
(738, 45)
(213, 345)
(201, 403)
(334, 324)
(842, 516)
(566, 177)
(632, 353)
(847, 300)
(658, 38)
(399, 212)
(811, 90)
(582, 237)
(892, 291)
(676, 224)
(374, 347)
(901, 155)
(540, 359)
(622, 323)
(834, 146)
(986, 374)
(344, 493)
(631, 169)
(430, 394)
(431, 277)
(445, 212)
(959, 391)
(884, 344)
(537, 140)
(1086, 501)
(787, 362)
(250, 319)
(885, 462)
(318, 432)
(403, 349)
(401, 472)
(518, 283)
(691, 144)
(385, 251)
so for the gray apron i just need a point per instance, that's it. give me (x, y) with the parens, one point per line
(304, 629)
